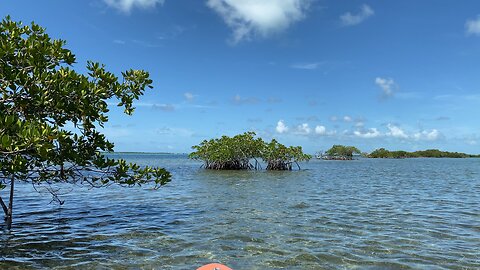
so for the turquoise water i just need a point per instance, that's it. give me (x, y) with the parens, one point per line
(362, 214)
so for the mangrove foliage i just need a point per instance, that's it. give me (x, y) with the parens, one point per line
(280, 157)
(51, 116)
(229, 153)
(341, 152)
(430, 153)
(243, 152)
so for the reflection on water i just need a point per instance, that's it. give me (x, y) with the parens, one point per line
(363, 214)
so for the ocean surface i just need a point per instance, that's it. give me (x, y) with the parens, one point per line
(361, 214)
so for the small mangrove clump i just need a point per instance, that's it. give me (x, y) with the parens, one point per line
(229, 153)
(341, 152)
(280, 158)
(237, 153)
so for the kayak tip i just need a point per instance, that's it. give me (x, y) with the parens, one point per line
(214, 266)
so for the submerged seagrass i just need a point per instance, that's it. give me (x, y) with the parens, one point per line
(236, 153)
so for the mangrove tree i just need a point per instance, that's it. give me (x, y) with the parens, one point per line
(51, 116)
(229, 153)
(280, 157)
(242, 152)
(342, 152)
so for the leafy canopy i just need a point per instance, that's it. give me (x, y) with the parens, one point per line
(281, 157)
(342, 151)
(51, 115)
(227, 153)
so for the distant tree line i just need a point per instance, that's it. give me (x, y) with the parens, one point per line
(430, 153)
(342, 152)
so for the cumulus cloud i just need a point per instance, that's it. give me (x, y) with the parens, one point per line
(347, 118)
(359, 124)
(396, 132)
(387, 85)
(281, 127)
(370, 133)
(303, 129)
(248, 18)
(189, 96)
(349, 19)
(127, 5)
(472, 27)
(320, 130)
(431, 135)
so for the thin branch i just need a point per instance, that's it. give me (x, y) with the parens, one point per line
(16, 151)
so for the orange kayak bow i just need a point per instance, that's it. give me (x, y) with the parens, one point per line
(214, 266)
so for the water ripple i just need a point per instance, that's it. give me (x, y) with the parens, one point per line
(364, 214)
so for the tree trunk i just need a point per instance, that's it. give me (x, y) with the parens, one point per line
(10, 205)
(4, 207)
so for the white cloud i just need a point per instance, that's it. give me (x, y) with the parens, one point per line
(309, 66)
(248, 18)
(387, 85)
(359, 124)
(347, 118)
(127, 5)
(303, 129)
(349, 19)
(371, 133)
(320, 130)
(427, 135)
(281, 127)
(472, 27)
(433, 135)
(396, 132)
(189, 96)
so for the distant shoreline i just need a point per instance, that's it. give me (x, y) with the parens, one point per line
(429, 153)
(145, 153)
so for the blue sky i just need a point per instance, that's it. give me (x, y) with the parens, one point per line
(395, 74)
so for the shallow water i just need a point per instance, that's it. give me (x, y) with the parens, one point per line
(362, 214)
